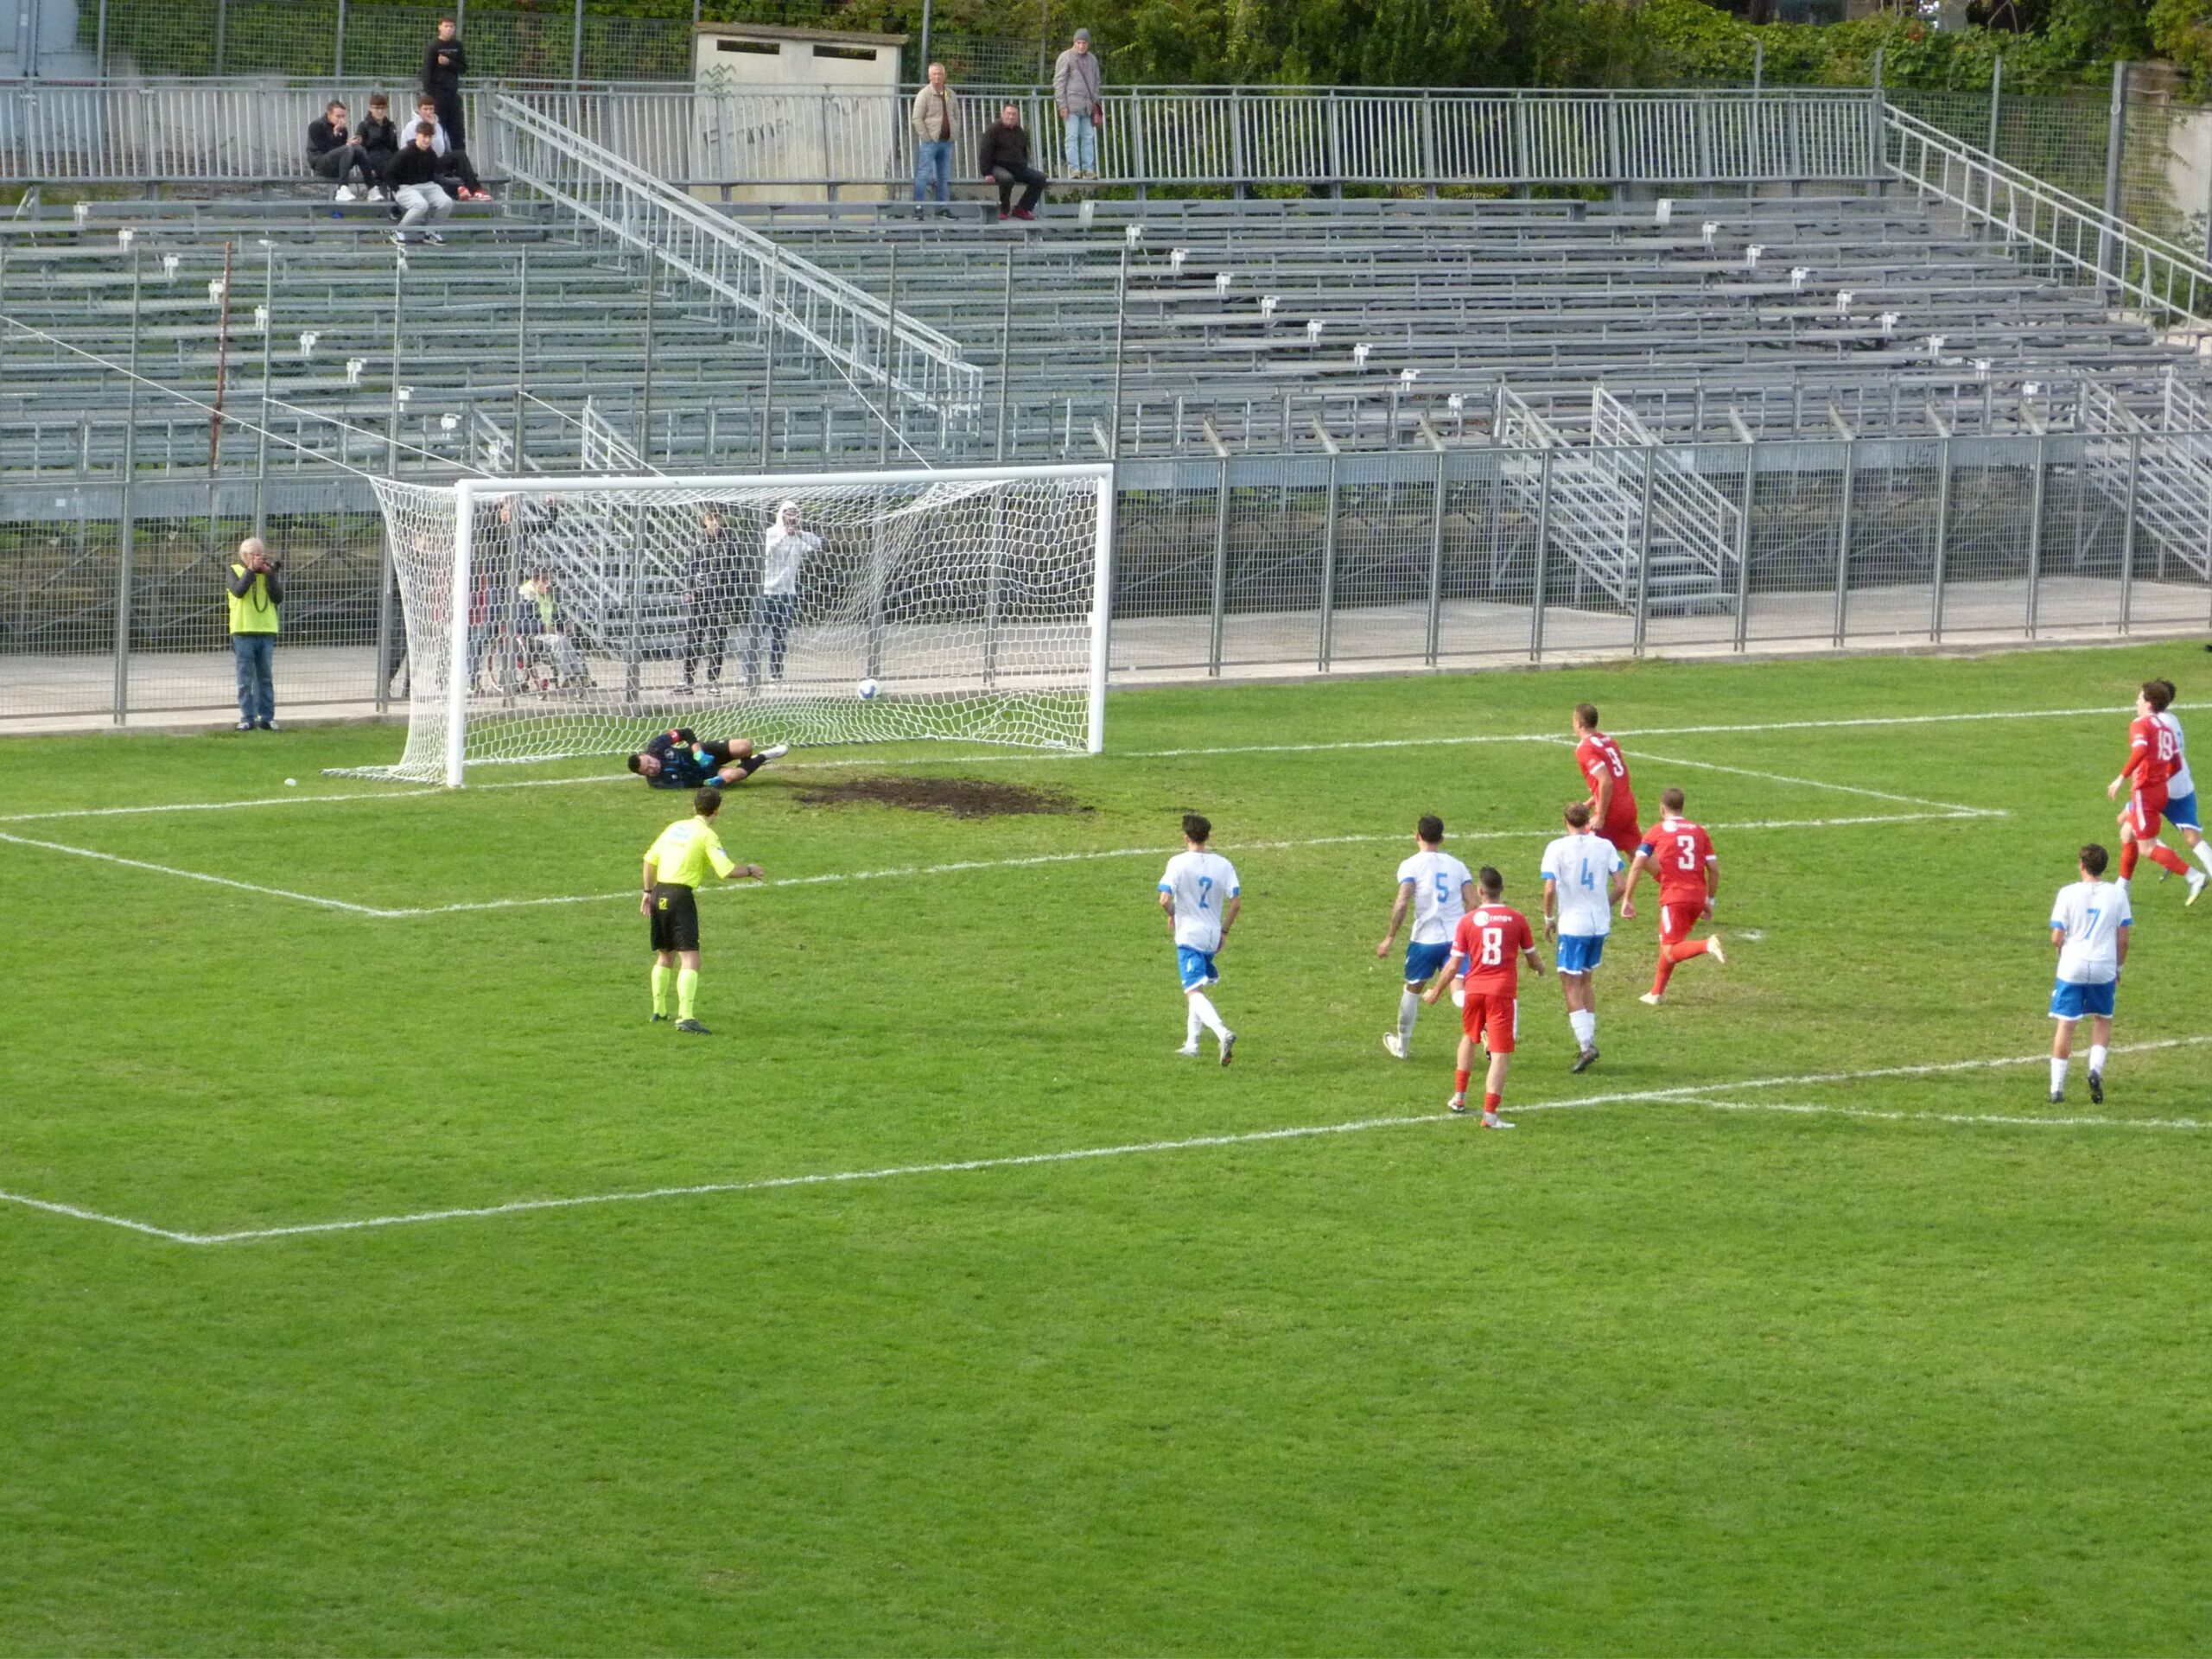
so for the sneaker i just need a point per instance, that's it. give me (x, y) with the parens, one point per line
(1228, 1047)
(693, 1027)
(1649, 997)
(2197, 882)
(345, 193)
(2058, 1096)
(432, 238)
(1004, 216)
(658, 1020)
(1585, 1061)
(271, 726)
(1492, 1121)
(400, 238)
(1457, 1104)
(246, 726)
(1023, 213)
(1393, 1046)
(773, 752)
(1712, 948)
(2097, 1088)
(1189, 1050)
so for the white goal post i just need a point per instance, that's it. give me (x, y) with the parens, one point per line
(569, 615)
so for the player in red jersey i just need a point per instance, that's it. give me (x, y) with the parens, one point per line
(1689, 880)
(2153, 756)
(1612, 803)
(1487, 949)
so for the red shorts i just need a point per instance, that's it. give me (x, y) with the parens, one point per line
(1490, 1018)
(1677, 917)
(2146, 807)
(1624, 834)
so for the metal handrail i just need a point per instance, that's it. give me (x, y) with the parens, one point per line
(844, 322)
(2166, 277)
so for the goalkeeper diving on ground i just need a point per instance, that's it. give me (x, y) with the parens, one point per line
(679, 759)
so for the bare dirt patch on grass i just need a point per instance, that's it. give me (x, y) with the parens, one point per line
(960, 798)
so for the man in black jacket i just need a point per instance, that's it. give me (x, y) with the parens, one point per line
(443, 65)
(335, 154)
(380, 139)
(1004, 155)
(413, 176)
(720, 582)
(454, 172)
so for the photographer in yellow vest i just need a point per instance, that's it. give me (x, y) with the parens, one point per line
(257, 588)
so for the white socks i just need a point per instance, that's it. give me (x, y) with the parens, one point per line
(1190, 1029)
(1408, 1011)
(2058, 1075)
(2204, 852)
(1202, 1009)
(1584, 1023)
(2097, 1053)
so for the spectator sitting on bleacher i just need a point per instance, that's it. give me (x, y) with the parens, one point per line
(380, 139)
(413, 176)
(1004, 157)
(334, 153)
(443, 65)
(452, 160)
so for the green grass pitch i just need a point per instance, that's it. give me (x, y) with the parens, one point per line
(1808, 1366)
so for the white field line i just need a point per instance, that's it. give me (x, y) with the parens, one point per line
(1997, 1120)
(1031, 861)
(1029, 756)
(1689, 1094)
(196, 876)
(1814, 782)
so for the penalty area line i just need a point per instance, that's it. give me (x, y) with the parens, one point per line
(1687, 1094)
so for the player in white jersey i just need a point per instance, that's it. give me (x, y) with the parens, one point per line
(1199, 891)
(2089, 925)
(2181, 798)
(1439, 890)
(1581, 875)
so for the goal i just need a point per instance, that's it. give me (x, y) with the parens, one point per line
(574, 615)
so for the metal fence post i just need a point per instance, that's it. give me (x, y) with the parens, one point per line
(1996, 99)
(124, 530)
(1743, 550)
(1329, 571)
(576, 49)
(1121, 332)
(338, 44)
(2127, 532)
(391, 435)
(522, 354)
(1843, 539)
(768, 355)
(222, 28)
(99, 45)
(890, 360)
(261, 438)
(1006, 349)
(1942, 536)
(2109, 248)
(1644, 553)
(2034, 528)
(646, 387)
(1543, 538)
(1436, 564)
(1219, 606)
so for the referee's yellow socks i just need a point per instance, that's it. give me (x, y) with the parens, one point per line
(687, 987)
(661, 976)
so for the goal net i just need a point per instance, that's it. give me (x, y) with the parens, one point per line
(806, 609)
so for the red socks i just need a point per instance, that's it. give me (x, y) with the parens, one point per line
(1665, 970)
(1490, 1102)
(2165, 857)
(1460, 1082)
(2127, 860)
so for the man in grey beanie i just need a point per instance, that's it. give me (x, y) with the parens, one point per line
(1076, 95)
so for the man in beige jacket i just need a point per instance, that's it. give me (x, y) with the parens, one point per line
(931, 119)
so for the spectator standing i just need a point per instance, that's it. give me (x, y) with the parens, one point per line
(256, 585)
(334, 153)
(1004, 157)
(715, 598)
(783, 550)
(443, 65)
(379, 140)
(932, 120)
(454, 170)
(413, 176)
(1076, 95)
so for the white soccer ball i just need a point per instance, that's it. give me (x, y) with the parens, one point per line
(866, 691)
(291, 783)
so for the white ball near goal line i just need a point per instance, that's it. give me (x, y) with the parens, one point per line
(866, 690)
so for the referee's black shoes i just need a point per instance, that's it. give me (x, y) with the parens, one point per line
(694, 1027)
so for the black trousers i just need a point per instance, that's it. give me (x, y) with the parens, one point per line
(343, 165)
(1029, 177)
(449, 117)
(454, 165)
(706, 633)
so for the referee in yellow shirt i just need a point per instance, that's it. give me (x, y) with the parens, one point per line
(686, 854)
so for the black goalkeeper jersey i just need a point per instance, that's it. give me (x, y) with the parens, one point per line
(680, 764)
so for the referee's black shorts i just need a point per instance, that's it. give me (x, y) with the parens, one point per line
(675, 918)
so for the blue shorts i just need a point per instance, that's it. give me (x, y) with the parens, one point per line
(1196, 968)
(2181, 812)
(1579, 952)
(2071, 1002)
(1423, 960)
